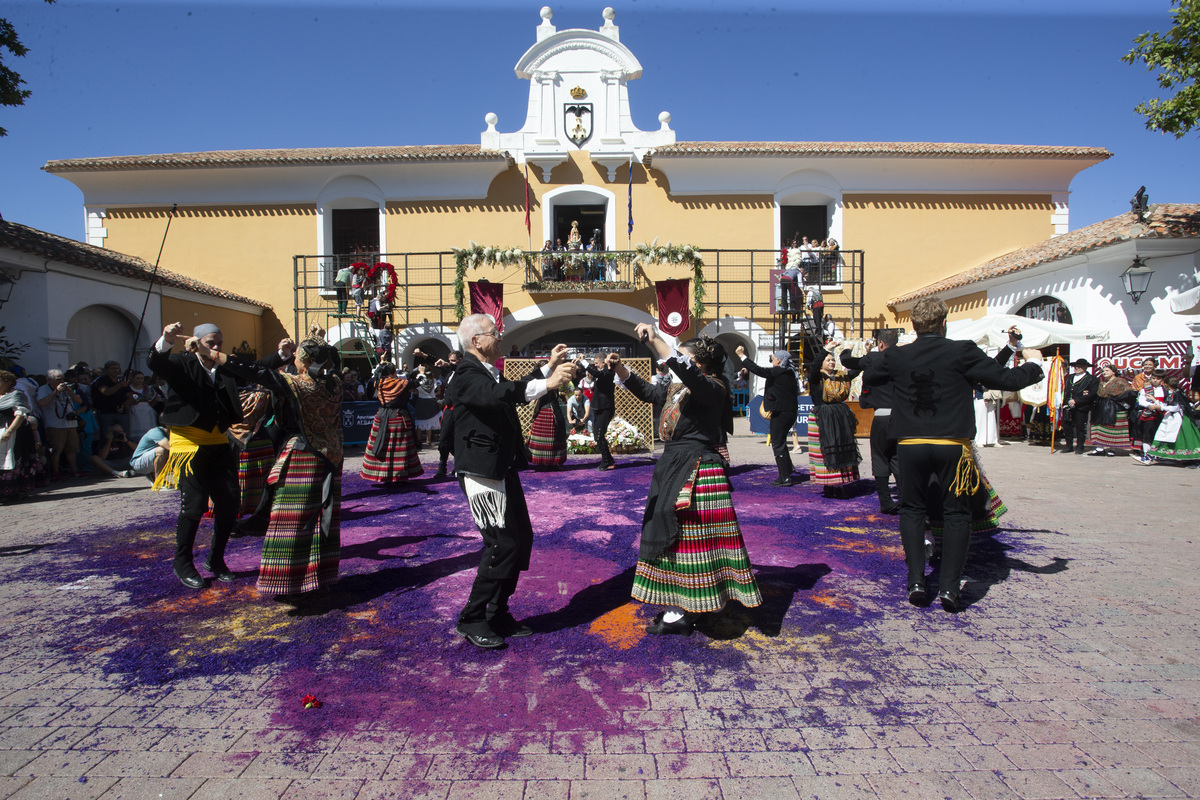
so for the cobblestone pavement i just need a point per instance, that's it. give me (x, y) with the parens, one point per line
(1072, 673)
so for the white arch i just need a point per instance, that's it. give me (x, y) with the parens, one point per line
(745, 329)
(348, 191)
(534, 321)
(408, 338)
(810, 187)
(581, 194)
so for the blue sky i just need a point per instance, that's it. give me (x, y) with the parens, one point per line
(116, 78)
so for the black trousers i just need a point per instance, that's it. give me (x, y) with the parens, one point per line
(926, 473)
(600, 433)
(1076, 429)
(507, 546)
(884, 462)
(446, 437)
(782, 424)
(212, 475)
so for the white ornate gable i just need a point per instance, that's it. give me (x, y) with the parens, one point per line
(578, 100)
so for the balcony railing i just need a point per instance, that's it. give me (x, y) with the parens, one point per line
(576, 271)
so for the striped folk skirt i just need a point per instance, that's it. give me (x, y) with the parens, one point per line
(708, 565)
(547, 441)
(986, 510)
(254, 464)
(297, 557)
(818, 472)
(399, 460)
(1115, 436)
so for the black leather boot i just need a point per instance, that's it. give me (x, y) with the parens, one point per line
(185, 537)
(886, 504)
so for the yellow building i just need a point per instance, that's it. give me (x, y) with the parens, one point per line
(276, 224)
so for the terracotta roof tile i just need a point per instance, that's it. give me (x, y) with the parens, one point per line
(901, 149)
(1163, 221)
(24, 239)
(272, 158)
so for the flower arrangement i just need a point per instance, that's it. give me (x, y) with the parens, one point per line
(676, 255)
(474, 256)
(580, 286)
(622, 438)
(387, 293)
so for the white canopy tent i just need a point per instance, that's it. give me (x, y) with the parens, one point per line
(993, 331)
(1185, 302)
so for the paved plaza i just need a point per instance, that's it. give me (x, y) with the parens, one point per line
(1072, 672)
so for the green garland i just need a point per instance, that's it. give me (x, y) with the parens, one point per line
(680, 254)
(474, 256)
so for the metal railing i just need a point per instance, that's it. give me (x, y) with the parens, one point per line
(548, 270)
(738, 283)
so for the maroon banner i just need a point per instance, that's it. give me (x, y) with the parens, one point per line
(673, 315)
(488, 298)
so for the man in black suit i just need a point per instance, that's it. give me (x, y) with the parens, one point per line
(877, 394)
(489, 449)
(1080, 395)
(202, 402)
(933, 422)
(779, 398)
(604, 406)
(446, 435)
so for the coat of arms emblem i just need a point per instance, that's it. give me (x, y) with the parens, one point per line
(577, 122)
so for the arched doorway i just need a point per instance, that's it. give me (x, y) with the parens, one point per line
(100, 334)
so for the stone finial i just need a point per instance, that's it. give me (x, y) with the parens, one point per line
(665, 119)
(491, 119)
(546, 29)
(608, 28)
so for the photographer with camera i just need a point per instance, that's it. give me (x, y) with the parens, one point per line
(112, 457)
(58, 400)
(111, 396)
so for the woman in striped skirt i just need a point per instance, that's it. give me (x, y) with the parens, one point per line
(833, 455)
(692, 558)
(548, 432)
(1110, 420)
(391, 453)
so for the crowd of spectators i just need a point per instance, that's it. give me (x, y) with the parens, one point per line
(86, 421)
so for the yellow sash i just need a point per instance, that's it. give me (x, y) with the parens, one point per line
(966, 474)
(185, 443)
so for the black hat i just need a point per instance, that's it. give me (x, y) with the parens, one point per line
(1081, 363)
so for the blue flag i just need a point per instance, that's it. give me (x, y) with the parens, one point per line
(630, 232)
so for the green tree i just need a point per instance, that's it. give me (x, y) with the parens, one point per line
(1176, 57)
(11, 93)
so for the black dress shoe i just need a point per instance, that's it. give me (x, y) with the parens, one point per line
(220, 572)
(949, 600)
(193, 581)
(893, 509)
(510, 628)
(680, 627)
(916, 594)
(782, 482)
(485, 642)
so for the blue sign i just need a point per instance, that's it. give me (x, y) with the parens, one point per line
(759, 424)
(356, 421)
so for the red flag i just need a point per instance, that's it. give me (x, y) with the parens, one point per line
(488, 298)
(528, 227)
(673, 315)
